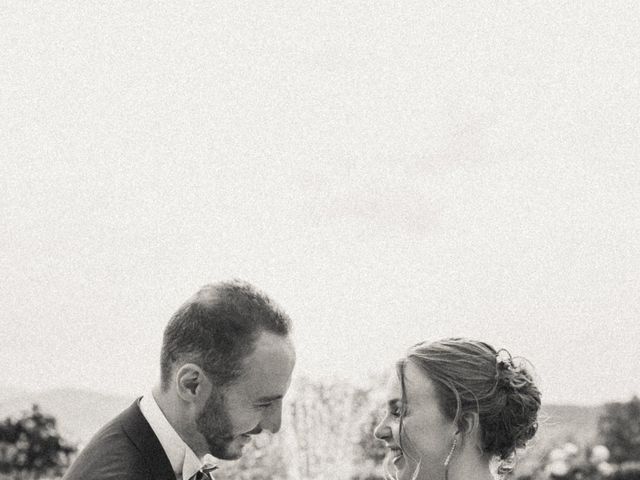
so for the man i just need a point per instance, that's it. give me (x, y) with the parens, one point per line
(226, 364)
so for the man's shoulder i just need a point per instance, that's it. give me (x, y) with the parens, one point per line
(114, 451)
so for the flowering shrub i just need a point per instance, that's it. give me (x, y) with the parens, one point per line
(569, 462)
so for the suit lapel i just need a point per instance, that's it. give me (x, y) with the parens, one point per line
(140, 433)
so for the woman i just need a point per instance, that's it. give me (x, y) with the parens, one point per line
(453, 406)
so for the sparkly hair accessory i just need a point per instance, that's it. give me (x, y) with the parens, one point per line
(504, 361)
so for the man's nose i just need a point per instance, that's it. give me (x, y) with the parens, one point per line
(272, 420)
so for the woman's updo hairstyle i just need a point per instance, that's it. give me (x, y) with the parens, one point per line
(471, 376)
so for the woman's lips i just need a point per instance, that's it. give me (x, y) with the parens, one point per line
(396, 456)
(396, 451)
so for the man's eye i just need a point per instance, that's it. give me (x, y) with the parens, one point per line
(265, 405)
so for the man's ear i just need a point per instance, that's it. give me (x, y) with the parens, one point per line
(190, 382)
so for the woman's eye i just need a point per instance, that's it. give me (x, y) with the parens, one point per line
(395, 412)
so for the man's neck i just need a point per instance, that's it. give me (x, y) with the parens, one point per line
(174, 414)
(167, 406)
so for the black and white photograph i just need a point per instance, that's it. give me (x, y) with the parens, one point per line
(319, 240)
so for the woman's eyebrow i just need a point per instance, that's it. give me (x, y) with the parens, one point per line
(393, 402)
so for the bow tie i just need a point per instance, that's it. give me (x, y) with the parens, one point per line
(204, 473)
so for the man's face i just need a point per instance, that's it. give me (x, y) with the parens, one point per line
(251, 404)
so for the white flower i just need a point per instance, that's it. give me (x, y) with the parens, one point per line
(605, 468)
(557, 454)
(571, 449)
(599, 454)
(559, 468)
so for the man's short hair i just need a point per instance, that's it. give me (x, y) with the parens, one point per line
(217, 329)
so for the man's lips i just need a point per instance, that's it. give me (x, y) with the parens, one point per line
(245, 438)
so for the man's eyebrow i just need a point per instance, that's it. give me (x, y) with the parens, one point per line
(271, 398)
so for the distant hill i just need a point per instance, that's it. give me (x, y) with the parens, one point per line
(7, 392)
(562, 420)
(80, 413)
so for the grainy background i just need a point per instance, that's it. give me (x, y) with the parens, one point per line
(389, 172)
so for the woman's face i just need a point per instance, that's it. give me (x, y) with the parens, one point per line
(427, 435)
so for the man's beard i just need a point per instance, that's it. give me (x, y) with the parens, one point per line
(215, 426)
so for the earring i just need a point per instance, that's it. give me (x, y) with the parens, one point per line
(453, 447)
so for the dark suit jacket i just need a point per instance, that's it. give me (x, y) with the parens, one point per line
(126, 449)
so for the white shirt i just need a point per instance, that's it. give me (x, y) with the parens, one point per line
(184, 462)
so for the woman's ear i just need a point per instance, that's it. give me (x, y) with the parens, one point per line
(469, 423)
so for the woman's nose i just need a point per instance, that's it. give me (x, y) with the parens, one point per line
(382, 431)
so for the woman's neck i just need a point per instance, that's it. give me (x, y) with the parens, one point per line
(470, 468)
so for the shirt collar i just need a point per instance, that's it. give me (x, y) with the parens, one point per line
(184, 461)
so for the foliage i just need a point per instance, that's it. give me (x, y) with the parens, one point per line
(619, 429)
(569, 462)
(31, 447)
(327, 433)
(371, 452)
(370, 447)
(627, 471)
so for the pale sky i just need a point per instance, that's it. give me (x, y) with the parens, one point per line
(389, 172)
